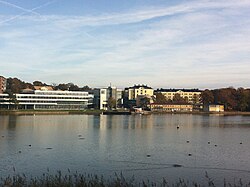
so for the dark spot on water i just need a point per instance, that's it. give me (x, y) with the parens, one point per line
(240, 142)
(177, 165)
(49, 148)
(148, 155)
(19, 151)
(29, 145)
(189, 154)
(2, 136)
(208, 142)
(187, 141)
(79, 135)
(81, 138)
(215, 145)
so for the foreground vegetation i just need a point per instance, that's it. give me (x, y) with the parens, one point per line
(88, 180)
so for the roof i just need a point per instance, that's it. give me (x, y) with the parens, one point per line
(48, 88)
(139, 86)
(170, 103)
(176, 90)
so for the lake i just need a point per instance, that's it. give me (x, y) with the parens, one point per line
(144, 146)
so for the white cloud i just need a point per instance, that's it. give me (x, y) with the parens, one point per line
(188, 45)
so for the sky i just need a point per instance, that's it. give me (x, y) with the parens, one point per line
(161, 43)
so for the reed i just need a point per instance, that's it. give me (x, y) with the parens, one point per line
(76, 179)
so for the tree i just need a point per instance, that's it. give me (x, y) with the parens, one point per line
(144, 102)
(243, 98)
(73, 87)
(160, 98)
(14, 100)
(195, 99)
(178, 99)
(39, 83)
(207, 97)
(15, 85)
(85, 88)
(111, 103)
(62, 87)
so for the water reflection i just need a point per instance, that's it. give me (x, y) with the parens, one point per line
(107, 144)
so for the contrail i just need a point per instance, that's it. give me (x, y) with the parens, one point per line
(33, 9)
(18, 7)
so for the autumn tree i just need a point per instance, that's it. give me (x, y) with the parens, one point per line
(178, 99)
(160, 98)
(14, 85)
(207, 97)
(111, 103)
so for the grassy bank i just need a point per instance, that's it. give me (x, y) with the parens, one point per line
(89, 180)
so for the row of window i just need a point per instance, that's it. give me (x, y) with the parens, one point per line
(62, 93)
(41, 97)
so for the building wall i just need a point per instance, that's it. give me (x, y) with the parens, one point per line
(103, 99)
(101, 96)
(135, 92)
(3, 83)
(189, 94)
(171, 107)
(54, 100)
(214, 108)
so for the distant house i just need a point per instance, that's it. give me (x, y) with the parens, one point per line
(138, 90)
(133, 94)
(44, 88)
(214, 108)
(171, 107)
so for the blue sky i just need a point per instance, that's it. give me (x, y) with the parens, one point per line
(184, 44)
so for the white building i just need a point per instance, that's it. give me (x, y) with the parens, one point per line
(102, 95)
(100, 98)
(49, 100)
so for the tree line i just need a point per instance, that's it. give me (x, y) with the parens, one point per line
(15, 85)
(232, 99)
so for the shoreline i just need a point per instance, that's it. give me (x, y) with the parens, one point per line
(99, 112)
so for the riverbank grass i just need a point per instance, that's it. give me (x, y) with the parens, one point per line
(88, 180)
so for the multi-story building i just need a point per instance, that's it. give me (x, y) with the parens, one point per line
(138, 90)
(100, 98)
(190, 95)
(50, 100)
(3, 83)
(171, 107)
(102, 95)
(133, 95)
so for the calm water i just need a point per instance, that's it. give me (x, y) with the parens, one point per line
(108, 144)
